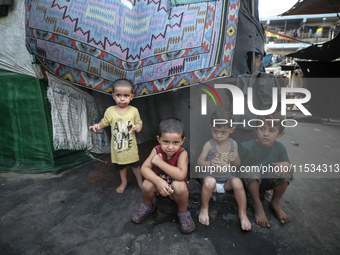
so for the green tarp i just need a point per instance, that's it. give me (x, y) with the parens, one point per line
(26, 128)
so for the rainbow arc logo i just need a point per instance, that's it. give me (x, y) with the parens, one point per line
(204, 97)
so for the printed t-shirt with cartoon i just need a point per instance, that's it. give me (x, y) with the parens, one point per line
(124, 148)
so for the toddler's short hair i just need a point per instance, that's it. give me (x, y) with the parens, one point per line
(277, 117)
(122, 83)
(221, 114)
(171, 125)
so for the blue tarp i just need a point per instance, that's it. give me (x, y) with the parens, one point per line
(268, 60)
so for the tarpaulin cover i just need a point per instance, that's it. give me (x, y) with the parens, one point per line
(26, 129)
(262, 84)
(13, 53)
(250, 38)
(268, 60)
(73, 111)
(308, 7)
(326, 51)
(152, 43)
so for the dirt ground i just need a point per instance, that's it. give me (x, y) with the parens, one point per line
(79, 212)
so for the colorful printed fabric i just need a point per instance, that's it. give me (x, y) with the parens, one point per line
(177, 2)
(157, 46)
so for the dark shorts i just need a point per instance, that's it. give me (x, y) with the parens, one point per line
(266, 181)
(121, 167)
(169, 180)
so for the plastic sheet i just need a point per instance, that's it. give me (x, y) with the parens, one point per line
(26, 126)
(13, 53)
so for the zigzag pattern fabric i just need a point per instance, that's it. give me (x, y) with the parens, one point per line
(157, 46)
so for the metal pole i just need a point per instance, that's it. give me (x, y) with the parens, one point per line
(253, 55)
(284, 32)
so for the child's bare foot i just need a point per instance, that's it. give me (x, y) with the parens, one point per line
(245, 223)
(203, 217)
(121, 188)
(260, 216)
(279, 213)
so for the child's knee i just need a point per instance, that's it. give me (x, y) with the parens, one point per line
(209, 183)
(252, 183)
(179, 187)
(148, 186)
(236, 183)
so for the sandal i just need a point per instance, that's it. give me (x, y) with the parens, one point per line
(142, 213)
(186, 224)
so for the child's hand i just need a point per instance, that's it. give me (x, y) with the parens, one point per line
(164, 188)
(137, 127)
(285, 167)
(157, 159)
(94, 128)
(215, 162)
(232, 156)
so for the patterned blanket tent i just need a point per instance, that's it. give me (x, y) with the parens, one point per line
(157, 45)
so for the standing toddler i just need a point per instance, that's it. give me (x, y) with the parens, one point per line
(125, 121)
